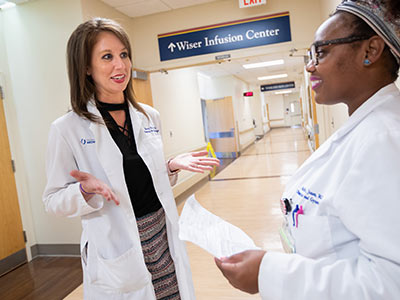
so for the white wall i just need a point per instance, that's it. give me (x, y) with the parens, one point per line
(215, 88)
(264, 113)
(330, 118)
(276, 110)
(35, 36)
(177, 97)
(243, 114)
(256, 103)
(224, 86)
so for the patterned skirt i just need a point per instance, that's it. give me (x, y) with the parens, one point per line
(153, 236)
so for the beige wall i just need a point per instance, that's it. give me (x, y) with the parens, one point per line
(147, 28)
(328, 7)
(97, 8)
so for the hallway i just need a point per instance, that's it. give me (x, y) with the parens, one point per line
(246, 193)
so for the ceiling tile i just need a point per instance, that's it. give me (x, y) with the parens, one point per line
(115, 3)
(143, 8)
(184, 3)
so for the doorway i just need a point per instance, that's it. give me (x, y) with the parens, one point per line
(295, 113)
(12, 243)
(219, 126)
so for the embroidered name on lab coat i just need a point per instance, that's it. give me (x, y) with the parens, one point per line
(309, 195)
(151, 130)
(87, 141)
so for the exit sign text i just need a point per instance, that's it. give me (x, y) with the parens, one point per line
(249, 3)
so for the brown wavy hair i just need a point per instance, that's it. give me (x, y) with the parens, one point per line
(79, 53)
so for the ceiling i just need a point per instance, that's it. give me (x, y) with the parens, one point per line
(138, 8)
(17, 1)
(293, 66)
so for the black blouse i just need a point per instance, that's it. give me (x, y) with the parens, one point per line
(137, 176)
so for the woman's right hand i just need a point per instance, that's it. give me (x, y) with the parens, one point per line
(90, 185)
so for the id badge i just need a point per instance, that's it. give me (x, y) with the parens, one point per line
(286, 238)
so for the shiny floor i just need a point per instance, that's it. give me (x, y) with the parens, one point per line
(246, 193)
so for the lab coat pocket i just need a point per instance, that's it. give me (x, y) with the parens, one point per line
(313, 236)
(125, 273)
(84, 253)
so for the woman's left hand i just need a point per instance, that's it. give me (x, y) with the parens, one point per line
(242, 269)
(193, 161)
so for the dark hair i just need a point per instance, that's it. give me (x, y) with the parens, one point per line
(360, 28)
(392, 8)
(79, 53)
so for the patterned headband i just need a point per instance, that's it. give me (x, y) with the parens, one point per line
(376, 16)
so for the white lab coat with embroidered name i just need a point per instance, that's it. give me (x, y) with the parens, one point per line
(112, 259)
(347, 239)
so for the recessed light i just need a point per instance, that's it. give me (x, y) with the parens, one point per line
(272, 77)
(264, 64)
(284, 92)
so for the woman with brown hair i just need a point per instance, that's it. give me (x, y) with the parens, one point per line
(109, 148)
(341, 206)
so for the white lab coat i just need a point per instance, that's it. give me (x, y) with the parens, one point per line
(112, 259)
(347, 242)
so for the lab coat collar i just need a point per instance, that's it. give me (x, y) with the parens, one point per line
(108, 152)
(379, 98)
(376, 100)
(136, 117)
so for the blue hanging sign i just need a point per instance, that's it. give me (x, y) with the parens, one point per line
(277, 86)
(253, 32)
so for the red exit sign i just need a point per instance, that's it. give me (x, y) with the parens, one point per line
(249, 3)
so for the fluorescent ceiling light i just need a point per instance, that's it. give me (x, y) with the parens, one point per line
(284, 92)
(272, 77)
(6, 4)
(264, 64)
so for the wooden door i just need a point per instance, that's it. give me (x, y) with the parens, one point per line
(221, 127)
(12, 244)
(142, 89)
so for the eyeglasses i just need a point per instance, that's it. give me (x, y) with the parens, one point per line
(314, 51)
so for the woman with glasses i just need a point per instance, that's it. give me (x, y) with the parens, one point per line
(342, 206)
